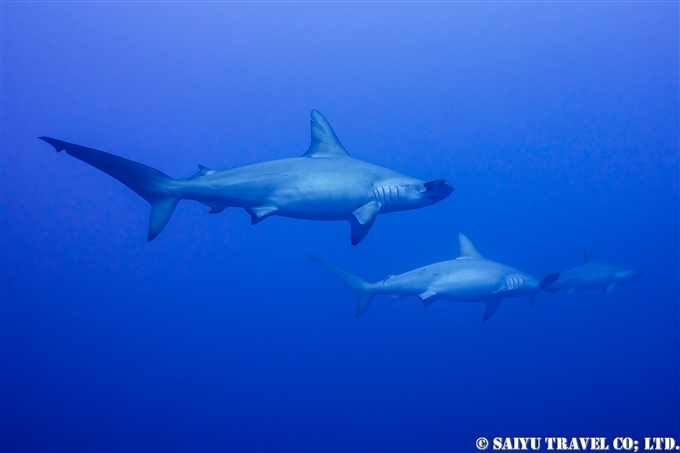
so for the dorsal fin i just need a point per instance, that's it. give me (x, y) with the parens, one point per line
(324, 141)
(467, 249)
(588, 255)
(202, 171)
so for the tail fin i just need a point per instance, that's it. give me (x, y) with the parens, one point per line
(360, 287)
(152, 185)
(549, 280)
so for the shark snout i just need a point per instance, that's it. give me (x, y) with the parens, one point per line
(438, 189)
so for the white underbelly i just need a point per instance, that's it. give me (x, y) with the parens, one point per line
(316, 206)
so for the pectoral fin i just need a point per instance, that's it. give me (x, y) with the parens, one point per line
(610, 287)
(427, 297)
(491, 308)
(367, 213)
(396, 296)
(500, 290)
(259, 213)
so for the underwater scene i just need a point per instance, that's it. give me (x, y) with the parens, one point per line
(325, 226)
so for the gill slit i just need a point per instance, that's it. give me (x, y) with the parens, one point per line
(383, 196)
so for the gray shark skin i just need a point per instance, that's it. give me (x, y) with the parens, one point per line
(325, 183)
(468, 278)
(592, 274)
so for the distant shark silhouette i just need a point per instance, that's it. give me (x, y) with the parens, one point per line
(325, 183)
(468, 278)
(592, 274)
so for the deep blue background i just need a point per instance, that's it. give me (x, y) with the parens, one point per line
(556, 122)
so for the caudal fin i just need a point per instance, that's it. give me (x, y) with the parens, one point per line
(360, 287)
(549, 280)
(154, 186)
(545, 286)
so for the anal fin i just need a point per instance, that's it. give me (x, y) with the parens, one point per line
(216, 209)
(259, 213)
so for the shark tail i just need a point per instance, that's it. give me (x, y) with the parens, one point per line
(549, 280)
(153, 185)
(545, 286)
(361, 287)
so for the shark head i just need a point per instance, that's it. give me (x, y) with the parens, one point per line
(626, 276)
(520, 282)
(398, 195)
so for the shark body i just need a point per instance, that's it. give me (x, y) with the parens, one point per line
(468, 278)
(592, 274)
(325, 183)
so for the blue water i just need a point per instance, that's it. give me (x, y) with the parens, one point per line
(557, 123)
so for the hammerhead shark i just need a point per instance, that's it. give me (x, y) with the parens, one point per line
(468, 278)
(325, 183)
(592, 274)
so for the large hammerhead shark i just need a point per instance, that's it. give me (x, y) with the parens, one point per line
(468, 278)
(325, 183)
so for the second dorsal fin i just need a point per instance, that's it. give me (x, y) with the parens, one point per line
(202, 171)
(324, 141)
